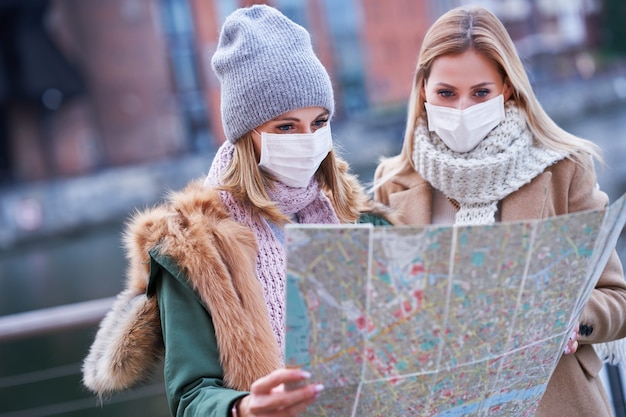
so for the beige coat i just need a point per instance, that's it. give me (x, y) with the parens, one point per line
(575, 388)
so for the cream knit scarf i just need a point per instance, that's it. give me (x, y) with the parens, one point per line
(305, 205)
(502, 163)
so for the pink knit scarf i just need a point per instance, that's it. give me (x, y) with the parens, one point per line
(304, 205)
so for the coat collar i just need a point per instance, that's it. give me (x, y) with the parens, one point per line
(530, 201)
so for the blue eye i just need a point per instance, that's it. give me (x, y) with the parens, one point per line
(482, 93)
(320, 123)
(285, 128)
(445, 93)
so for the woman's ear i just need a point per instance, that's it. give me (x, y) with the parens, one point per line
(507, 90)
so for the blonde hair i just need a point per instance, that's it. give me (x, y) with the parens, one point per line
(246, 182)
(477, 29)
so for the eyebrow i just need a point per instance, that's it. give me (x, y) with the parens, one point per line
(483, 84)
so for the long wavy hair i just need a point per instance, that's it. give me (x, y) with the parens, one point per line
(476, 28)
(246, 182)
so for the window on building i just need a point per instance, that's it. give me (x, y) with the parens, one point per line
(178, 29)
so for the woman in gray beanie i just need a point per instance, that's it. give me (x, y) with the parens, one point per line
(206, 282)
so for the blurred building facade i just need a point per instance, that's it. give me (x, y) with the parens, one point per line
(128, 82)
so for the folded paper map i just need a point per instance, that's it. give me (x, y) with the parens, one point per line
(440, 320)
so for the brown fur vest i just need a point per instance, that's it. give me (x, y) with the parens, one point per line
(217, 255)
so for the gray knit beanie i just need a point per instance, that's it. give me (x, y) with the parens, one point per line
(266, 67)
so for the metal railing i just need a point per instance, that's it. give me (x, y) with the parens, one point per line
(88, 313)
(78, 318)
(53, 319)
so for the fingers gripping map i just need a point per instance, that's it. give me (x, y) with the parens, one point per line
(440, 321)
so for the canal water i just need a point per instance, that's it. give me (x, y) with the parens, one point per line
(40, 376)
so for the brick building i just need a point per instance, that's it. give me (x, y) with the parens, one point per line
(148, 91)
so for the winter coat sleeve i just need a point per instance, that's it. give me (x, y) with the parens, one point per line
(604, 317)
(192, 371)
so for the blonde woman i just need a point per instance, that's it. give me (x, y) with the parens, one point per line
(206, 282)
(479, 149)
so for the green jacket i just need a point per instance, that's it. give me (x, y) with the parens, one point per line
(194, 378)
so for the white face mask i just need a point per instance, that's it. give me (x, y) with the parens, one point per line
(463, 130)
(293, 158)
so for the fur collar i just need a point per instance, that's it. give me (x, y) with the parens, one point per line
(128, 345)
